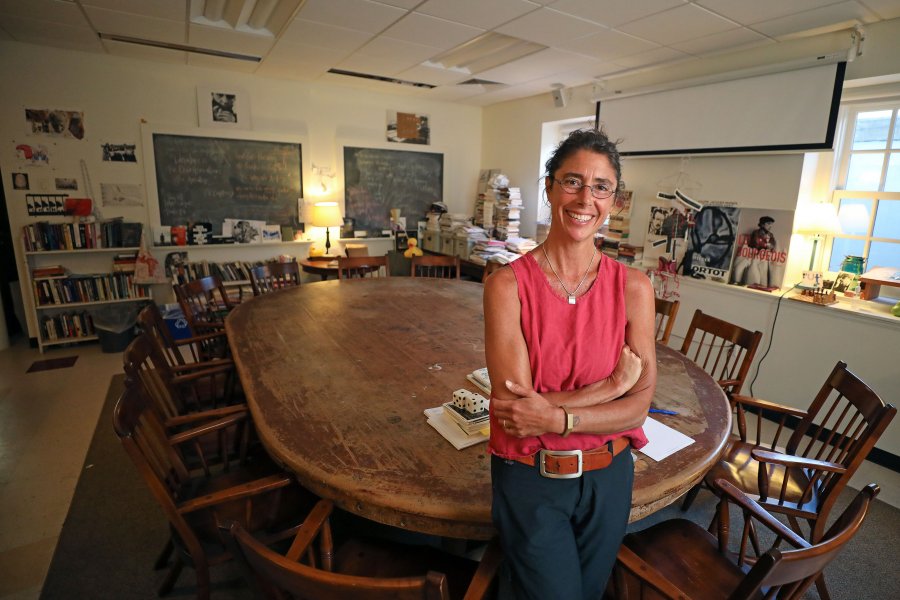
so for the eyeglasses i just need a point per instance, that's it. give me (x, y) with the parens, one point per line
(600, 191)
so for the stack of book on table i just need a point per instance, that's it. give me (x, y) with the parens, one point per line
(464, 421)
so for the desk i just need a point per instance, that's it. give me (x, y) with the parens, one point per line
(870, 282)
(337, 375)
(322, 268)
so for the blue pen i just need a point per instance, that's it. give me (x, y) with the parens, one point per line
(661, 411)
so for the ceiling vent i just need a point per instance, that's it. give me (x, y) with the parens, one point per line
(259, 17)
(482, 53)
(476, 81)
(371, 77)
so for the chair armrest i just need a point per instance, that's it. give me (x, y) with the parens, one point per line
(759, 403)
(762, 515)
(486, 572)
(634, 564)
(214, 363)
(215, 413)
(207, 428)
(237, 492)
(203, 337)
(201, 373)
(787, 460)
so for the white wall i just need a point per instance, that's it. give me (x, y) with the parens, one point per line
(808, 339)
(116, 94)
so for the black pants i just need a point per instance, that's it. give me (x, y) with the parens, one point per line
(559, 536)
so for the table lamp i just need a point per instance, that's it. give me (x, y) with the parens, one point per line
(817, 220)
(327, 214)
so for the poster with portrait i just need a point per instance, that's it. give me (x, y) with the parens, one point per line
(711, 242)
(760, 254)
(223, 106)
(55, 122)
(408, 128)
(666, 234)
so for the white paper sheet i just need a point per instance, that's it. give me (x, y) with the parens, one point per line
(664, 441)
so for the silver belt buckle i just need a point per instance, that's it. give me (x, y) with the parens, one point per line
(562, 453)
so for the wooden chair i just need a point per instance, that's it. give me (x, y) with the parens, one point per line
(722, 349)
(188, 353)
(803, 478)
(274, 276)
(489, 268)
(257, 494)
(353, 250)
(205, 303)
(360, 569)
(363, 267)
(679, 559)
(435, 266)
(666, 310)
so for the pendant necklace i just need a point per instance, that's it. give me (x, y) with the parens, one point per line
(571, 294)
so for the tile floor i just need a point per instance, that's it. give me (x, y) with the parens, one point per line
(47, 419)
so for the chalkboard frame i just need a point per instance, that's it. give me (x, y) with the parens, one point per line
(150, 164)
(430, 166)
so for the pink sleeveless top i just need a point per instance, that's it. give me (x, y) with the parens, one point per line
(569, 347)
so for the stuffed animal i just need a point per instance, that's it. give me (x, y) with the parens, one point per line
(412, 248)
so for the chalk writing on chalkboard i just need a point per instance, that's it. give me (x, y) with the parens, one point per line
(212, 179)
(376, 181)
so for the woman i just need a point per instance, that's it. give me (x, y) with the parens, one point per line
(570, 349)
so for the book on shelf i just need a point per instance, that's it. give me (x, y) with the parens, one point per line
(48, 272)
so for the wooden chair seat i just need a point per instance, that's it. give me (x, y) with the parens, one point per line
(688, 557)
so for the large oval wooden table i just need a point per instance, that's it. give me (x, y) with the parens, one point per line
(337, 375)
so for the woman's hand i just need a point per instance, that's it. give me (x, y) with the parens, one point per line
(627, 371)
(528, 415)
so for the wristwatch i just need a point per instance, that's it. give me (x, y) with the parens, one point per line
(570, 422)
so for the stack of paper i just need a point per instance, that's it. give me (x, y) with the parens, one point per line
(444, 425)
(663, 440)
(481, 379)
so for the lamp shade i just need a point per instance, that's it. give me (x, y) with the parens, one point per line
(326, 214)
(818, 219)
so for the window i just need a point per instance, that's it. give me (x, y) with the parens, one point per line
(868, 200)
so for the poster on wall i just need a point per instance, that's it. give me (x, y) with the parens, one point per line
(666, 234)
(408, 128)
(711, 243)
(119, 153)
(55, 123)
(223, 106)
(760, 254)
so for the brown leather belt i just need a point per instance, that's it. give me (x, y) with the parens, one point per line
(568, 464)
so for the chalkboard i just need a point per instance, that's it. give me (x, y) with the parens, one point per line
(210, 179)
(376, 181)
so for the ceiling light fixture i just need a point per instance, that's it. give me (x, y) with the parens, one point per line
(482, 53)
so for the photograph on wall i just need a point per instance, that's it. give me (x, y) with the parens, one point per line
(711, 242)
(66, 183)
(119, 153)
(55, 123)
(666, 234)
(33, 155)
(122, 194)
(223, 106)
(20, 181)
(760, 254)
(407, 128)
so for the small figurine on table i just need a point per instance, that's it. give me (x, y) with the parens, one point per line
(412, 248)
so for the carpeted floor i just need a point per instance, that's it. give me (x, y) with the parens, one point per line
(114, 532)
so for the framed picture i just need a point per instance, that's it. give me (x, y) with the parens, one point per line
(408, 128)
(223, 106)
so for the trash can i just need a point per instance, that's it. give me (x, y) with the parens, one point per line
(175, 321)
(115, 325)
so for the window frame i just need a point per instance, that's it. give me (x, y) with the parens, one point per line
(844, 151)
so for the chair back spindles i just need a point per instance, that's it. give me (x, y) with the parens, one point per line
(435, 266)
(274, 276)
(722, 349)
(363, 267)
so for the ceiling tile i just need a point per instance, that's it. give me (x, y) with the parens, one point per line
(148, 28)
(760, 10)
(145, 52)
(432, 76)
(4, 35)
(227, 40)
(326, 36)
(453, 93)
(886, 9)
(727, 40)
(52, 34)
(220, 62)
(608, 45)
(173, 10)
(836, 16)
(65, 13)
(537, 65)
(613, 13)
(361, 15)
(393, 49)
(660, 55)
(677, 25)
(548, 27)
(477, 13)
(432, 31)
(401, 3)
(298, 59)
